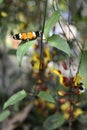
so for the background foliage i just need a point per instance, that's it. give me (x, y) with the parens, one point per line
(34, 98)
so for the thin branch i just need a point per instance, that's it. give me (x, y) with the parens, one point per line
(57, 7)
(68, 2)
(41, 45)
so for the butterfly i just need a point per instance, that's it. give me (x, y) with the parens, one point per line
(27, 36)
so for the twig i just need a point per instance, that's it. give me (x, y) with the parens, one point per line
(41, 44)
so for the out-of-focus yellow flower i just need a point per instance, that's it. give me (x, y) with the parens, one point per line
(36, 65)
(35, 61)
(36, 102)
(3, 14)
(50, 105)
(35, 57)
(21, 16)
(65, 106)
(47, 55)
(66, 115)
(67, 109)
(40, 81)
(59, 75)
(77, 79)
(61, 92)
(77, 112)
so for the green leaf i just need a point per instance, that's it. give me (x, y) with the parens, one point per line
(1, 1)
(59, 43)
(4, 115)
(51, 22)
(83, 67)
(54, 121)
(22, 49)
(46, 96)
(15, 98)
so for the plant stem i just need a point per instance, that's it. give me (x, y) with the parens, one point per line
(41, 44)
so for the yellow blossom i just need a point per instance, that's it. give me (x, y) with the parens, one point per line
(65, 106)
(61, 93)
(39, 81)
(36, 102)
(3, 14)
(77, 79)
(66, 115)
(35, 61)
(50, 105)
(59, 75)
(36, 66)
(78, 112)
(47, 55)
